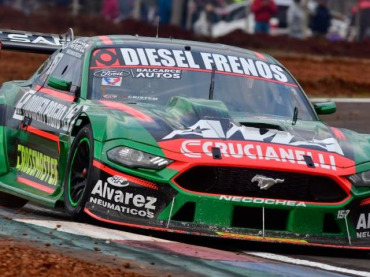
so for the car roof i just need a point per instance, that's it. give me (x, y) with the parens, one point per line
(120, 40)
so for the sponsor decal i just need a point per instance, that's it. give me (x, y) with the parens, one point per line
(110, 96)
(253, 200)
(54, 63)
(181, 59)
(253, 151)
(74, 53)
(76, 48)
(54, 40)
(118, 181)
(156, 73)
(363, 226)
(115, 82)
(242, 144)
(142, 98)
(46, 111)
(111, 73)
(265, 182)
(110, 195)
(214, 129)
(38, 165)
(360, 218)
(202, 60)
(105, 57)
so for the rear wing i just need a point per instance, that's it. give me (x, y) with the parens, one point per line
(33, 42)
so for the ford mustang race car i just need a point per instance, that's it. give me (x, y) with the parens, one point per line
(180, 136)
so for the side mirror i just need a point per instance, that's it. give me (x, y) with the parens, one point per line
(59, 83)
(325, 108)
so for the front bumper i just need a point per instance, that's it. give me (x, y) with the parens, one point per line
(130, 199)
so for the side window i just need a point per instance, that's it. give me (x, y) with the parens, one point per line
(39, 77)
(68, 69)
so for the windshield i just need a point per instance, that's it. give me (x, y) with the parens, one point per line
(133, 76)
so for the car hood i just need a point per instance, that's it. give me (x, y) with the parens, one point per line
(204, 129)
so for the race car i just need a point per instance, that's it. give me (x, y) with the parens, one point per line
(180, 136)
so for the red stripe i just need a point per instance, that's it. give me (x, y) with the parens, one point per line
(338, 133)
(365, 202)
(105, 40)
(127, 109)
(135, 180)
(196, 69)
(35, 185)
(55, 93)
(259, 55)
(43, 134)
(87, 211)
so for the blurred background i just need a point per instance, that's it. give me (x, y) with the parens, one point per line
(333, 19)
(324, 43)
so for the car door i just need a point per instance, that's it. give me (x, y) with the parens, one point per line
(43, 114)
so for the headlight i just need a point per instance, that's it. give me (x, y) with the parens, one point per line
(134, 158)
(361, 179)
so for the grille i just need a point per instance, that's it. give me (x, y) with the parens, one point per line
(237, 181)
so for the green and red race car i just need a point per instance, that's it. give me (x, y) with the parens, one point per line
(180, 136)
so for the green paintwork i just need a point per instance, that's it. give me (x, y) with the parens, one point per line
(59, 84)
(325, 108)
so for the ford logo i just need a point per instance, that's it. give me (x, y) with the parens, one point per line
(111, 73)
(118, 181)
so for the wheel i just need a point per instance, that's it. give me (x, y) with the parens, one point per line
(78, 173)
(11, 201)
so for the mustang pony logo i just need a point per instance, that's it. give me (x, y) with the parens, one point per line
(266, 182)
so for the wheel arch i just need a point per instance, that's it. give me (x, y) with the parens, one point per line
(97, 122)
(81, 121)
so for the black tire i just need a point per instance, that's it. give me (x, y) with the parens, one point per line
(10, 201)
(78, 173)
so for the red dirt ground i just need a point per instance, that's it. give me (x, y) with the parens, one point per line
(24, 259)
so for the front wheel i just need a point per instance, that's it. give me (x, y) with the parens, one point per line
(78, 174)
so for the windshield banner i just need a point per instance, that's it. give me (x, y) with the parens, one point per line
(190, 60)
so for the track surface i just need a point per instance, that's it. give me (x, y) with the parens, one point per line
(180, 256)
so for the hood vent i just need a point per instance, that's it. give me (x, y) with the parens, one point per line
(262, 126)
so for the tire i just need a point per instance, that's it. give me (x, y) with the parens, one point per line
(78, 173)
(11, 201)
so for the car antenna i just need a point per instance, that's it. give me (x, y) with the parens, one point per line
(158, 18)
(295, 116)
(212, 85)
